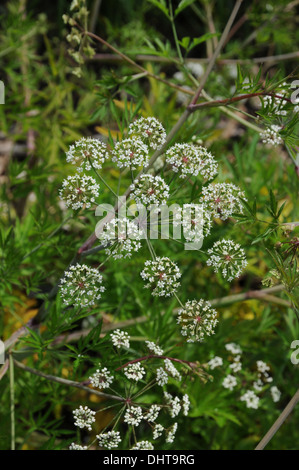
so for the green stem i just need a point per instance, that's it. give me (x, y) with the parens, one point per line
(12, 400)
(69, 383)
(177, 45)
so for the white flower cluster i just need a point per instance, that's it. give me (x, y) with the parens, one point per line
(102, 378)
(74, 446)
(152, 413)
(150, 190)
(196, 221)
(258, 383)
(149, 130)
(263, 373)
(158, 431)
(153, 348)
(197, 319)
(171, 370)
(216, 361)
(251, 399)
(236, 365)
(191, 160)
(81, 286)
(229, 382)
(120, 339)
(109, 440)
(79, 191)
(174, 404)
(277, 104)
(276, 393)
(271, 135)
(186, 404)
(233, 348)
(143, 445)
(161, 377)
(171, 433)
(222, 199)
(84, 417)
(130, 153)
(87, 153)
(162, 276)
(133, 415)
(227, 257)
(134, 371)
(121, 237)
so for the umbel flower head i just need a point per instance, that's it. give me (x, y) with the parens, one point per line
(81, 286)
(130, 153)
(134, 371)
(251, 399)
(222, 199)
(271, 135)
(79, 191)
(195, 220)
(227, 257)
(162, 276)
(102, 378)
(143, 445)
(121, 237)
(197, 319)
(109, 440)
(187, 159)
(84, 417)
(120, 339)
(149, 130)
(149, 190)
(87, 153)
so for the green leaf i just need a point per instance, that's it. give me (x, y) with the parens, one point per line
(161, 4)
(182, 5)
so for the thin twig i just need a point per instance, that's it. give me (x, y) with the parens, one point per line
(70, 383)
(217, 50)
(280, 420)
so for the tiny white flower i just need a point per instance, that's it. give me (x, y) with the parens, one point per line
(251, 399)
(134, 371)
(152, 414)
(228, 258)
(150, 190)
(271, 135)
(79, 191)
(101, 379)
(197, 319)
(162, 276)
(170, 433)
(109, 440)
(233, 348)
(87, 153)
(174, 404)
(120, 339)
(276, 393)
(215, 362)
(222, 199)
(81, 286)
(143, 445)
(133, 415)
(74, 446)
(157, 431)
(153, 348)
(149, 130)
(84, 417)
(229, 382)
(130, 153)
